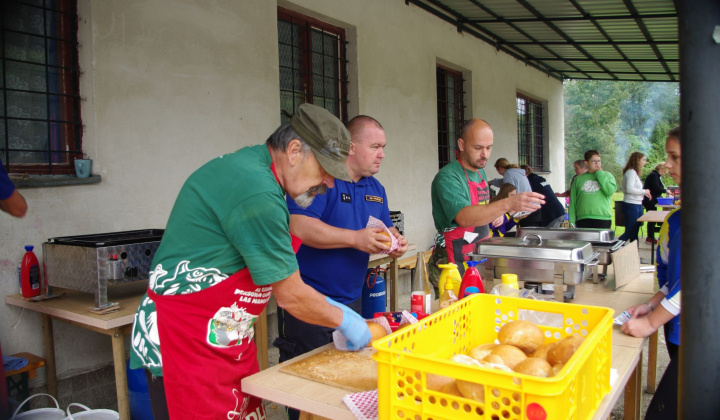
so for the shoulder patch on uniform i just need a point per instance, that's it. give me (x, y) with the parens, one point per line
(374, 199)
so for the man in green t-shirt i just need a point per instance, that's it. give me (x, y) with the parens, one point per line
(460, 200)
(226, 249)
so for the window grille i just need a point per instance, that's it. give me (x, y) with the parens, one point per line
(40, 125)
(312, 64)
(450, 112)
(531, 145)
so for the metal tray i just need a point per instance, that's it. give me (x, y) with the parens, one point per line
(576, 234)
(110, 239)
(535, 247)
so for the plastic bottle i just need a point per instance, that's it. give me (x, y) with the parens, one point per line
(450, 270)
(448, 297)
(30, 274)
(510, 280)
(422, 289)
(471, 278)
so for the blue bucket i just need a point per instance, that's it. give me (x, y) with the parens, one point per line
(138, 395)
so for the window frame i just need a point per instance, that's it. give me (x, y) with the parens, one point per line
(447, 147)
(531, 132)
(309, 25)
(62, 106)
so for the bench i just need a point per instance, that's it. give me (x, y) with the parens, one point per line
(26, 373)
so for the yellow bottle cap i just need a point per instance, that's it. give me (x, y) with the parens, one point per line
(510, 279)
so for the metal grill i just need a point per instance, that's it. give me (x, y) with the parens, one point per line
(312, 64)
(40, 126)
(450, 112)
(531, 149)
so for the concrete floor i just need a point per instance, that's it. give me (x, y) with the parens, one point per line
(277, 412)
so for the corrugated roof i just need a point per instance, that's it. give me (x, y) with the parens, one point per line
(574, 39)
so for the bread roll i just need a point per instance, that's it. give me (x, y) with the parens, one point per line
(541, 353)
(493, 358)
(564, 349)
(471, 390)
(389, 241)
(524, 335)
(376, 330)
(437, 382)
(451, 388)
(556, 369)
(534, 366)
(479, 352)
(511, 355)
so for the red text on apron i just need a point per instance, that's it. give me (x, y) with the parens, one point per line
(455, 244)
(207, 348)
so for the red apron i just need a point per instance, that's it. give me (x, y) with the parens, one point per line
(455, 244)
(207, 348)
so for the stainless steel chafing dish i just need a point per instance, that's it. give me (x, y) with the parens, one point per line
(536, 259)
(602, 240)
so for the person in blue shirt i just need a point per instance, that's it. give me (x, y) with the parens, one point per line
(11, 201)
(663, 309)
(336, 247)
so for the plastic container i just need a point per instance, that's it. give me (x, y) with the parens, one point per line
(407, 357)
(450, 270)
(374, 292)
(46, 413)
(30, 284)
(471, 291)
(138, 394)
(510, 280)
(471, 278)
(448, 297)
(665, 201)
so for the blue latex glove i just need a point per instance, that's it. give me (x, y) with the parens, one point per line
(353, 327)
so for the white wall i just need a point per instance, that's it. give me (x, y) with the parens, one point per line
(170, 84)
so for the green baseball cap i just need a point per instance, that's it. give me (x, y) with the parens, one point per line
(327, 137)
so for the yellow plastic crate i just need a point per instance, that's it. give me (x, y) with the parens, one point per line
(408, 355)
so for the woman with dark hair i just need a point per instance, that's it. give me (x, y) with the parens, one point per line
(591, 195)
(633, 195)
(663, 309)
(654, 183)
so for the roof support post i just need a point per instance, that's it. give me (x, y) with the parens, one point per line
(699, 367)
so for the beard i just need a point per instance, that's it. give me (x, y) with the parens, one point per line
(305, 199)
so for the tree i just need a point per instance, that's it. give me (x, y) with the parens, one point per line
(618, 118)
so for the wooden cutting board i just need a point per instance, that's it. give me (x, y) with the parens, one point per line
(352, 370)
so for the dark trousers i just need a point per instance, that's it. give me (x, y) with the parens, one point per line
(632, 213)
(664, 404)
(652, 227)
(156, 391)
(593, 223)
(296, 337)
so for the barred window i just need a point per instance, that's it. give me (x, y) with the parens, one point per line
(450, 112)
(312, 64)
(531, 144)
(40, 125)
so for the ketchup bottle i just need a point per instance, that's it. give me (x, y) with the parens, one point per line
(471, 278)
(30, 274)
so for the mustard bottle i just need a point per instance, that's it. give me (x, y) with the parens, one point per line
(510, 280)
(448, 297)
(450, 271)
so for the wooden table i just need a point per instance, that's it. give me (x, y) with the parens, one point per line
(326, 400)
(72, 307)
(376, 260)
(654, 216)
